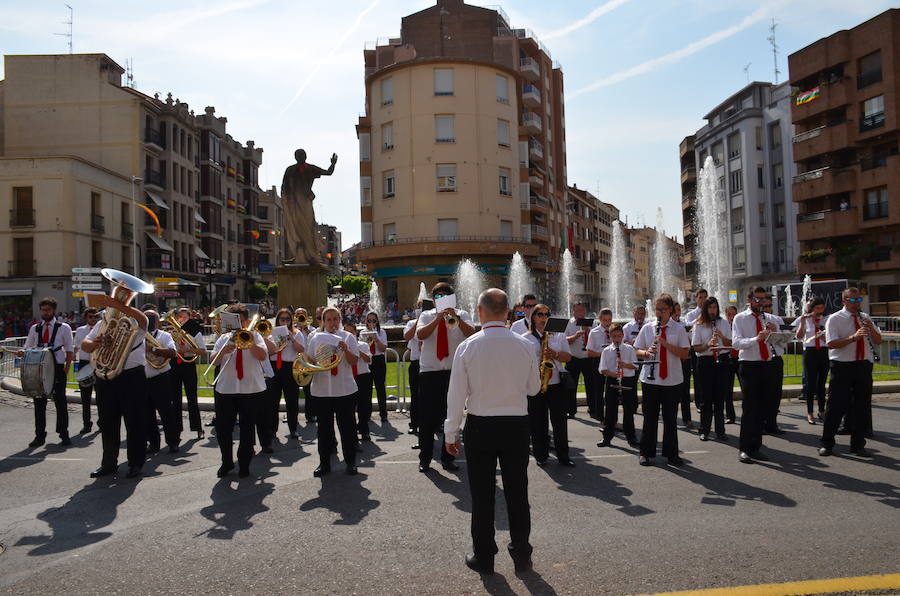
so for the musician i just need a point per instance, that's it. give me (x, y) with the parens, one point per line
(439, 343)
(90, 317)
(713, 373)
(377, 346)
(580, 363)
(598, 339)
(493, 371)
(160, 387)
(851, 339)
(124, 396)
(239, 391)
(334, 392)
(633, 327)
(363, 377)
(811, 329)
(667, 341)
(55, 336)
(750, 335)
(520, 326)
(415, 348)
(308, 330)
(184, 374)
(770, 424)
(283, 381)
(730, 312)
(694, 314)
(618, 364)
(684, 392)
(265, 431)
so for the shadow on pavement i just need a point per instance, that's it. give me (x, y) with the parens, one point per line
(726, 491)
(345, 496)
(234, 503)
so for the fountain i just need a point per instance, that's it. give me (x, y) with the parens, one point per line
(710, 225)
(423, 293)
(469, 285)
(790, 309)
(681, 298)
(807, 291)
(566, 284)
(621, 280)
(375, 304)
(662, 260)
(519, 281)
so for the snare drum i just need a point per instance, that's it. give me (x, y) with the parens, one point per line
(38, 372)
(85, 375)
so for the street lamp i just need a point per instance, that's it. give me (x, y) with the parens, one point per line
(210, 271)
(134, 227)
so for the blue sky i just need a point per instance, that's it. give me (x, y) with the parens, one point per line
(639, 74)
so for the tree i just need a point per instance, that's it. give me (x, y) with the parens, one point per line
(257, 292)
(356, 284)
(272, 291)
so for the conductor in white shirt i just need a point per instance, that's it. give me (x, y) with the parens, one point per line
(494, 371)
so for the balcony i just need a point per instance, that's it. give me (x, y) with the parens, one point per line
(688, 173)
(823, 182)
(22, 268)
(810, 175)
(21, 218)
(532, 122)
(819, 266)
(530, 69)
(539, 232)
(871, 122)
(535, 149)
(535, 202)
(831, 96)
(127, 231)
(154, 137)
(531, 96)
(97, 224)
(809, 134)
(821, 140)
(535, 178)
(155, 178)
(827, 224)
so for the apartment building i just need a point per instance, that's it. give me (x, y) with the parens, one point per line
(590, 242)
(330, 248)
(689, 208)
(271, 240)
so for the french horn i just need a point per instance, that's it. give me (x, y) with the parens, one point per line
(304, 370)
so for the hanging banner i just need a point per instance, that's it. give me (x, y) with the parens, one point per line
(808, 96)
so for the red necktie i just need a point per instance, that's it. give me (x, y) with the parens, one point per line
(860, 346)
(334, 370)
(763, 349)
(443, 348)
(178, 359)
(816, 331)
(372, 348)
(239, 365)
(278, 361)
(47, 333)
(355, 371)
(663, 357)
(584, 338)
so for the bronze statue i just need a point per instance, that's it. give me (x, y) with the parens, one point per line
(301, 246)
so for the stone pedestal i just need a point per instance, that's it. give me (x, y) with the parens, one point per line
(302, 285)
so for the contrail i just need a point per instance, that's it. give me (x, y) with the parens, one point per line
(337, 46)
(593, 16)
(675, 56)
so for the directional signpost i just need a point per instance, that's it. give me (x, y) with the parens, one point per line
(85, 278)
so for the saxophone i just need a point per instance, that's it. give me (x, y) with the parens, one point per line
(546, 366)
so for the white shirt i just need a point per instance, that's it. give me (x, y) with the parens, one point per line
(557, 343)
(325, 384)
(743, 335)
(166, 341)
(136, 357)
(840, 326)
(810, 328)
(702, 333)
(382, 337)
(692, 315)
(414, 345)
(496, 370)
(227, 381)
(598, 339)
(631, 331)
(362, 367)
(63, 338)
(428, 360)
(520, 326)
(608, 358)
(577, 347)
(675, 335)
(289, 353)
(80, 334)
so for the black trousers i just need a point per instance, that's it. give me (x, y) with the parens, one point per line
(549, 407)
(228, 407)
(264, 432)
(773, 403)
(184, 378)
(329, 409)
(684, 395)
(850, 393)
(363, 403)
(123, 397)
(414, 395)
(577, 367)
(627, 398)
(159, 401)
(487, 440)
(758, 383)
(733, 367)
(309, 406)
(595, 406)
(711, 381)
(378, 368)
(85, 397)
(667, 398)
(283, 382)
(698, 396)
(815, 368)
(59, 402)
(433, 386)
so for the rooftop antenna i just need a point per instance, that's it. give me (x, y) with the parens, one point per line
(771, 39)
(129, 73)
(747, 71)
(69, 23)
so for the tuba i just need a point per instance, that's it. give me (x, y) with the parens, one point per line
(214, 317)
(171, 325)
(301, 320)
(109, 359)
(304, 370)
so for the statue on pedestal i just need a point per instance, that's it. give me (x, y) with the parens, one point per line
(301, 245)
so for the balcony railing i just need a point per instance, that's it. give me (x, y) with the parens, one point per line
(155, 178)
(529, 68)
(97, 223)
(151, 135)
(20, 218)
(871, 122)
(809, 134)
(539, 231)
(127, 231)
(535, 201)
(810, 175)
(22, 268)
(531, 95)
(426, 239)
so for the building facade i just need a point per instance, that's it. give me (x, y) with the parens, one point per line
(689, 207)
(330, 248)
(845, 113)
(590, 241)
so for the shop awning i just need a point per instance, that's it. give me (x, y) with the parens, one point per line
(198, 217)
(198, 252)
(15, 291)
(160, 243)
(156, 200)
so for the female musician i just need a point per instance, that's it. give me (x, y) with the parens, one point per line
(239, 387)
(334, 391)
(617, 365)
(811, 329)
(84, 359)
(377, 346)
(283, 381)
(552, 401)
(711, 331)
(184, 373)
(160, 387)
(363, 377)
(308, 330)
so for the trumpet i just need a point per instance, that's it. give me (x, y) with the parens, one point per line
(301, 320)
(216, 320)
(243, 338)
(171, 325)
(451, 321)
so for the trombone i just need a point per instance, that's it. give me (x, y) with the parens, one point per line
(170, 324)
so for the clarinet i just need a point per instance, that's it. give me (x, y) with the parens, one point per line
(651, 374)
(875, 355)
(765, 317)
(620, 372)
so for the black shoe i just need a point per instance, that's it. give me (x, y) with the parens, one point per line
(777, 431)
(704, 437)
(384, 418)
(424, 467)
(745, 458)
(367, 437)
(153, 449)
(729, 421)
(523, 565)
(65, 441)
(86, 429)
(321, 470)
(351, 469)
(632, 442)
(101, 471)
(605, 443)
(133, 472)
(474, 564)
(645, 461)
(211, 422)
(567, 463)
(38, 441)
(173, 448)
(311, 420)
(243, 472)
(224, 470)
(450, 466)
(541, 462)
(826, 451)
(416, 446)
(201, 434)
(759, 456)
(860, 451)
(721, 436)
(413, 430)
(843, 431)
(570, 416)
(676, 461)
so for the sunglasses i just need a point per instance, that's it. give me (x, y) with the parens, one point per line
(541, 314)
(854, 299)
(755, 299)
(530, 305)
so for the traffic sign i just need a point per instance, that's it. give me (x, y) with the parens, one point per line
(87, 286)
(166, 294)
(77, 294)
(165, 280)
(85, 269)
(96, 278)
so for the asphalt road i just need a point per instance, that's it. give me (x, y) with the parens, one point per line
(607, 526)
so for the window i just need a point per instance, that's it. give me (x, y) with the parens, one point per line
(759, 138)
(446, 177)
(502, 89)
(737, 220)
(365, 191)
(365, 147)
(737, 181)
(443, 129)
(387, 92)
(872, 114)
(504, 182)
(739, 257)
(775, 135)
(390, 232)
(876, 203)
(734, 145)
(779, 215)
(759, 177)
(718, 153)
(869, 70)
(448, 229)
(387, 137)
(506, 228)
(390, 185)
(778, 175)
(443, 81)
(503, 133)
(762, 215)
(23, 257)
(781, 249)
